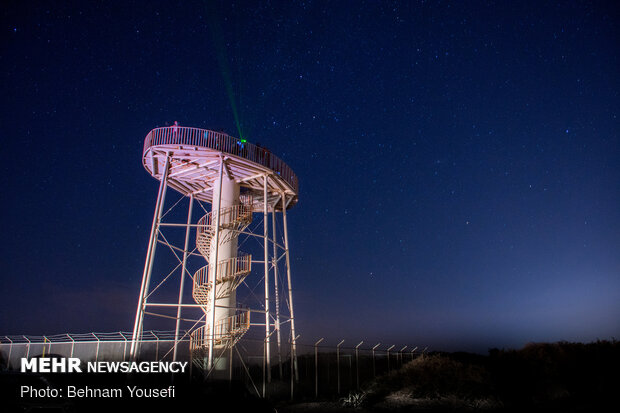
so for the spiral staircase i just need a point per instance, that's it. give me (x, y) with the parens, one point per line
(230, 274)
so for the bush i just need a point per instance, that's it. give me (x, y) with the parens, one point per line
(353, 400)
(438, 375)
(539, 376)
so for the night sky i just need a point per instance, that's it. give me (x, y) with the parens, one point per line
(459, 163)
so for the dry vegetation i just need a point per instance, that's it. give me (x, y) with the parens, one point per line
(562, 376)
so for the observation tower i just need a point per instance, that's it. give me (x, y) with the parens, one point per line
(242, 183)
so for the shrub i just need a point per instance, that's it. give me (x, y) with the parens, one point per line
(353, 399)
(438, 375)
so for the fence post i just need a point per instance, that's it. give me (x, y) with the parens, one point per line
(401, 355)
(230, 366)
(293, 367)
(8, 361)
(156, 346)
(357, 364)
(124, 345)
(44, 341)
(374, 369)
(316, 368)
(72, 344)
(350, 357)
(338, 364)
(27, 347)
(413, 351)
(97, 353)
(388, 356)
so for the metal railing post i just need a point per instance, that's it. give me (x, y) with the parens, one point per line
(230, 365)
(357, 364)
(350, 356)
(8, 361)
(316, 368)
(44, 341)
(374, 368)
(388, 356)
(338, 364)
(97, 352)
(156, 347)
(294, 339)
(124, 346)
(72, 344)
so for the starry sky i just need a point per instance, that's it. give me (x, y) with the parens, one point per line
(458, 161)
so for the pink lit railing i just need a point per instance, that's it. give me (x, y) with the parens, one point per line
(235, 215)
(228, 328)
(181, 135)
(229, 268)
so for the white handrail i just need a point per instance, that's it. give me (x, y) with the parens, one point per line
(229, 268)
(181, 135)
(236, 217)
(226, 329)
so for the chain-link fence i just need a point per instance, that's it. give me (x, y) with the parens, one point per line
(155, 345)
(323, 371)
(327, 371)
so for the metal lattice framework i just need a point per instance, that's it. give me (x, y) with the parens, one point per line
(239, 180)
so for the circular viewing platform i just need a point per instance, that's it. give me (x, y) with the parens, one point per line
(195, 164)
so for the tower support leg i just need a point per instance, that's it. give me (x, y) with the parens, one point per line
(266, 245)
(290, 290)
(183, 269)
(275, 285)
(213, 274)
(148, 265)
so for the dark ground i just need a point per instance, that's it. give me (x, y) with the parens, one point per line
(557, 377)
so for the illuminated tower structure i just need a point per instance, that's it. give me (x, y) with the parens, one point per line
(239, 180)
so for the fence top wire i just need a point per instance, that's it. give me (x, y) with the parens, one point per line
(152, 335)
(169, 335)
(332, 347)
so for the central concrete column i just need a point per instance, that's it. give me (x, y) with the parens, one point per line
(226, 250)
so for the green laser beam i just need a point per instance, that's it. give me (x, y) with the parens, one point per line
(222, 62)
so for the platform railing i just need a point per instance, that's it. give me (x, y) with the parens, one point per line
(236, 217)
(181, 135)
(226, 269)
(233, 269)
(229, 328)
(230, 215)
